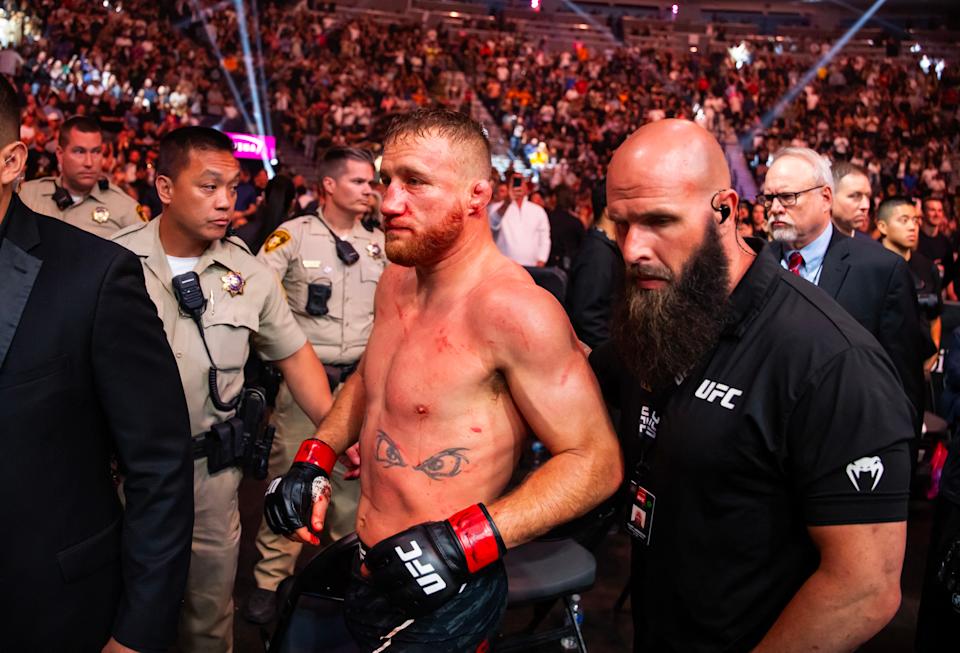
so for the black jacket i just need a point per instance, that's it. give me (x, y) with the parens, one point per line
(86, 373)
(566, 236)
(595, 279)
(875, 286)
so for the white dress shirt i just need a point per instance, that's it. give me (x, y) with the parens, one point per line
(523, 233)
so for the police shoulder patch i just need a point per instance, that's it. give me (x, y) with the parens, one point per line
(277, 239)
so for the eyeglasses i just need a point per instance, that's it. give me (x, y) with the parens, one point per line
(786, 199)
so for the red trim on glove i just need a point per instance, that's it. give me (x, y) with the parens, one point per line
(478, 536)
(317, 452)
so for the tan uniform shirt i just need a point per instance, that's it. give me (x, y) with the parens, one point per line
(303, 252)
(244, 301)
(102, 212)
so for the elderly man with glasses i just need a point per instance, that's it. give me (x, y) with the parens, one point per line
(872, 284)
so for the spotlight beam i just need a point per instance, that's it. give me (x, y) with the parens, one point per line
(587, 18)
(252, 82)
(263, 66)
(226, 73)
(792, 94)
(885, 23)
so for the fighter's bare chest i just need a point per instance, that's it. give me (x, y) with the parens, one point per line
(415, 363)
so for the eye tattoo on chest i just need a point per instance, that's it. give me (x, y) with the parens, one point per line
(443, 464)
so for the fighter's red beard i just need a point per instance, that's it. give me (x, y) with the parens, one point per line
(424, 247)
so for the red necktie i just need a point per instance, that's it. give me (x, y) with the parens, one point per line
(794, 263)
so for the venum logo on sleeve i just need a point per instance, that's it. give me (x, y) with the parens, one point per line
(868, 464)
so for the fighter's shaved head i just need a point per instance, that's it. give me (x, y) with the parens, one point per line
(467, 134)
(675, 154)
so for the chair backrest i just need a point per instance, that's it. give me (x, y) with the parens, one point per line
(311, 615)
(590, 529)
(553, 280)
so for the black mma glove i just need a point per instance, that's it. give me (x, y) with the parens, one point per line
(288, 503)
(425, 566)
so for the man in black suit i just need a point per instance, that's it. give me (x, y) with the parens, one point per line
(596, 276)
(851, 200)
(873, 285)
(85, 374)
(566, 231)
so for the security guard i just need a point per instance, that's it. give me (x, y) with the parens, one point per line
(188, 262)
(768, 466)
(81, 195)
(329, 265)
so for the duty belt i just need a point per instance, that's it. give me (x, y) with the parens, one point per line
(199, 446)
(339, 373)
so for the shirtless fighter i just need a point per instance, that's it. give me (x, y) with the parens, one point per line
(467, 356)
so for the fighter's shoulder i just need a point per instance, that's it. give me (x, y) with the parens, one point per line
(510, 308)
(394, 277)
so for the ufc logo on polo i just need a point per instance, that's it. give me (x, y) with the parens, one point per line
(426, 576)
(710, 391)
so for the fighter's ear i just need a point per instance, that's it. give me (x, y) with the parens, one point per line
(481, 193)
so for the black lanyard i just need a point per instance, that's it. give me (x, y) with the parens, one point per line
(657, 401)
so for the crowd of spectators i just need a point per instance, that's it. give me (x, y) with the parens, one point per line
(129, 66)
(896, 120)
(143, 68)
(332, 78)
(334, 83)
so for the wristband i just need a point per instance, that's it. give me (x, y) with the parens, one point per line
(318, 453)
(478, 536)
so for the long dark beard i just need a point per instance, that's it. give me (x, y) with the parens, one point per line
(663, 333)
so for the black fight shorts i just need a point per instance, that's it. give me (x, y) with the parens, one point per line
(464, 624)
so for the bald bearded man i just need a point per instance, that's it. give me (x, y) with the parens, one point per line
(467, 357)
(764, 427)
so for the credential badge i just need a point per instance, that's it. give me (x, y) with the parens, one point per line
(101, 214)
(233, 283)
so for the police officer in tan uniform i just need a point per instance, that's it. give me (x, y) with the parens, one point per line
(332, 301)
(81, 195)
(197, 179)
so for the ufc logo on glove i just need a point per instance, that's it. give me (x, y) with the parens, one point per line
(426, 575)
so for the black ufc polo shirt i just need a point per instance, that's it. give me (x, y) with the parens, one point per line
(795, 419)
